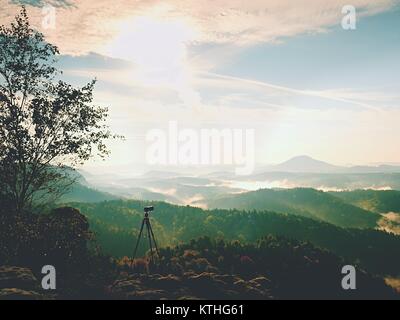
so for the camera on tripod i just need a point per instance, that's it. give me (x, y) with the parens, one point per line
(148, 209)
(150, 235)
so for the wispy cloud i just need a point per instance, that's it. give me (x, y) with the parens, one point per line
(227, 90)
(343, 96)
(86, 25)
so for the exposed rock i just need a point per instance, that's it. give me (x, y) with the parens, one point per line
(190, 286)
(16, 277)
(261, 282)
(168, 282)
(188, 298)
(126, 285)
(228, 278)
(205, 280)
(19, 294)
(254, 293)
(150, 294)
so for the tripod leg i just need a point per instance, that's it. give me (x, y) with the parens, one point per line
(154, 240)
(138, 240)
(149, 235)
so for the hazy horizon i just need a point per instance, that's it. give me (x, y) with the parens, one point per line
(288, 71)
(138, 169)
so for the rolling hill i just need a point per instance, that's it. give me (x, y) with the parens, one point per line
(306, 202)
(383, 201)
(82, 193)
(116, 226)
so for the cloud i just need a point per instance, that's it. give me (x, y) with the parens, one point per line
(87, 25)
(351, 97)
(211, 89)
(42, 3)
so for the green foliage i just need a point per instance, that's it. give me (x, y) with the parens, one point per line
(81, 193)
(301, 201)
(372, 200)
(291, 269)
(116, 225)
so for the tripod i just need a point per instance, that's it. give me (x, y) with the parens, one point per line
(150, 234)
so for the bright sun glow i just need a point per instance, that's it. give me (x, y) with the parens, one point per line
(156, 47)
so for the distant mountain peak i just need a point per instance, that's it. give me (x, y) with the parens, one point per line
(304, 163)
(304, 156)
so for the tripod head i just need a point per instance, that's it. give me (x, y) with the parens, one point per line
(147, 210)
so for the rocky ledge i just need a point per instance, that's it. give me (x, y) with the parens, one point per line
(190, 286)
(18, 283)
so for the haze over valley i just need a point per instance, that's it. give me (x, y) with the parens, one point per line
(193, 188)
(196, 150)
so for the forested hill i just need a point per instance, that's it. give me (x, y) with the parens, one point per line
(82, 193)
(301, 201)
(116, 225)
(381, 201)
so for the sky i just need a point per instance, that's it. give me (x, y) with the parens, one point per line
(286, 69)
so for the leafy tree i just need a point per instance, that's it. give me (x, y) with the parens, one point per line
(46, 124)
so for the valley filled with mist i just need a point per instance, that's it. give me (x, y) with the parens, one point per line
(151, 150)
